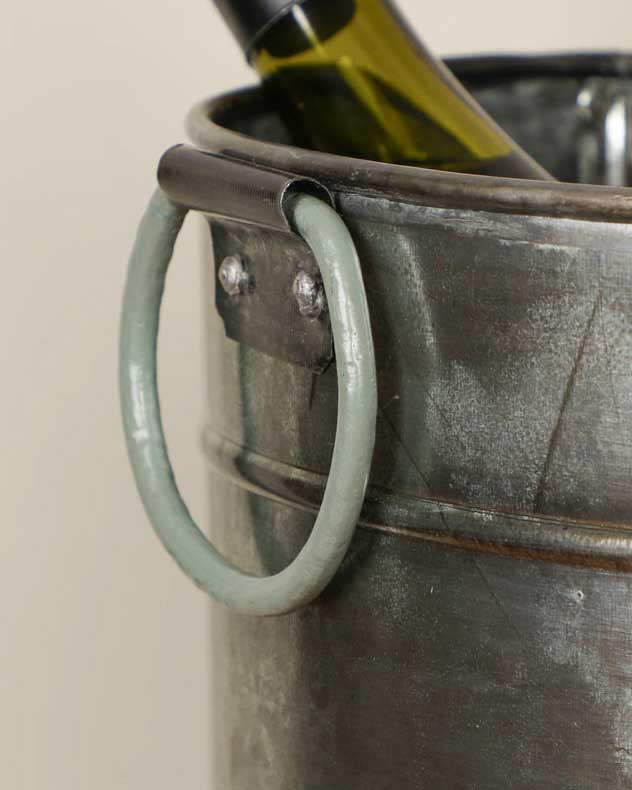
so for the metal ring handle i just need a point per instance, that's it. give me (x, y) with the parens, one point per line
(304, 578)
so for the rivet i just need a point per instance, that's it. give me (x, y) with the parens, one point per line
(234, 277)
(309, 294)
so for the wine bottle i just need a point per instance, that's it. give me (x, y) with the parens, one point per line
(350, 78)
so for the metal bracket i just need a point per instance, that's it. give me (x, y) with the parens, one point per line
(246, 207)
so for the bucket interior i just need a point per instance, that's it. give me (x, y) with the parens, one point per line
(572, 113)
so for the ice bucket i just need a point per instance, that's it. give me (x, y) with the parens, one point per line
(478, 633)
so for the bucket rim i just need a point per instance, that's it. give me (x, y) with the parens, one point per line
(208, 126)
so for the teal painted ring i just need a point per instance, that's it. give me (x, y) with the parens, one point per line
(319, 559)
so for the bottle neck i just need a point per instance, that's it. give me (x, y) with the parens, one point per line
(249, 20)
(374, 52)
(350, 77)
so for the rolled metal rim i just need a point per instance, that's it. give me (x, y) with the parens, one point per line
(207, 127)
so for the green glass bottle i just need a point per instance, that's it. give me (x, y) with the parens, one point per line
(350, 78)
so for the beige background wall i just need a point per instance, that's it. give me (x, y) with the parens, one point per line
(103, 644)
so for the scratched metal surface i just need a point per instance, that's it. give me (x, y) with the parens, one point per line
(420, 667)
(480, 632)
(504, 362)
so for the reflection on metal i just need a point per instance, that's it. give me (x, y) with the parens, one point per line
(605, 150)
(616, 140)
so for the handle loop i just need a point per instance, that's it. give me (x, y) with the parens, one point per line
(309, 573)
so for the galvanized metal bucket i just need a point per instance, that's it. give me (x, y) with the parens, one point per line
(479, 631)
